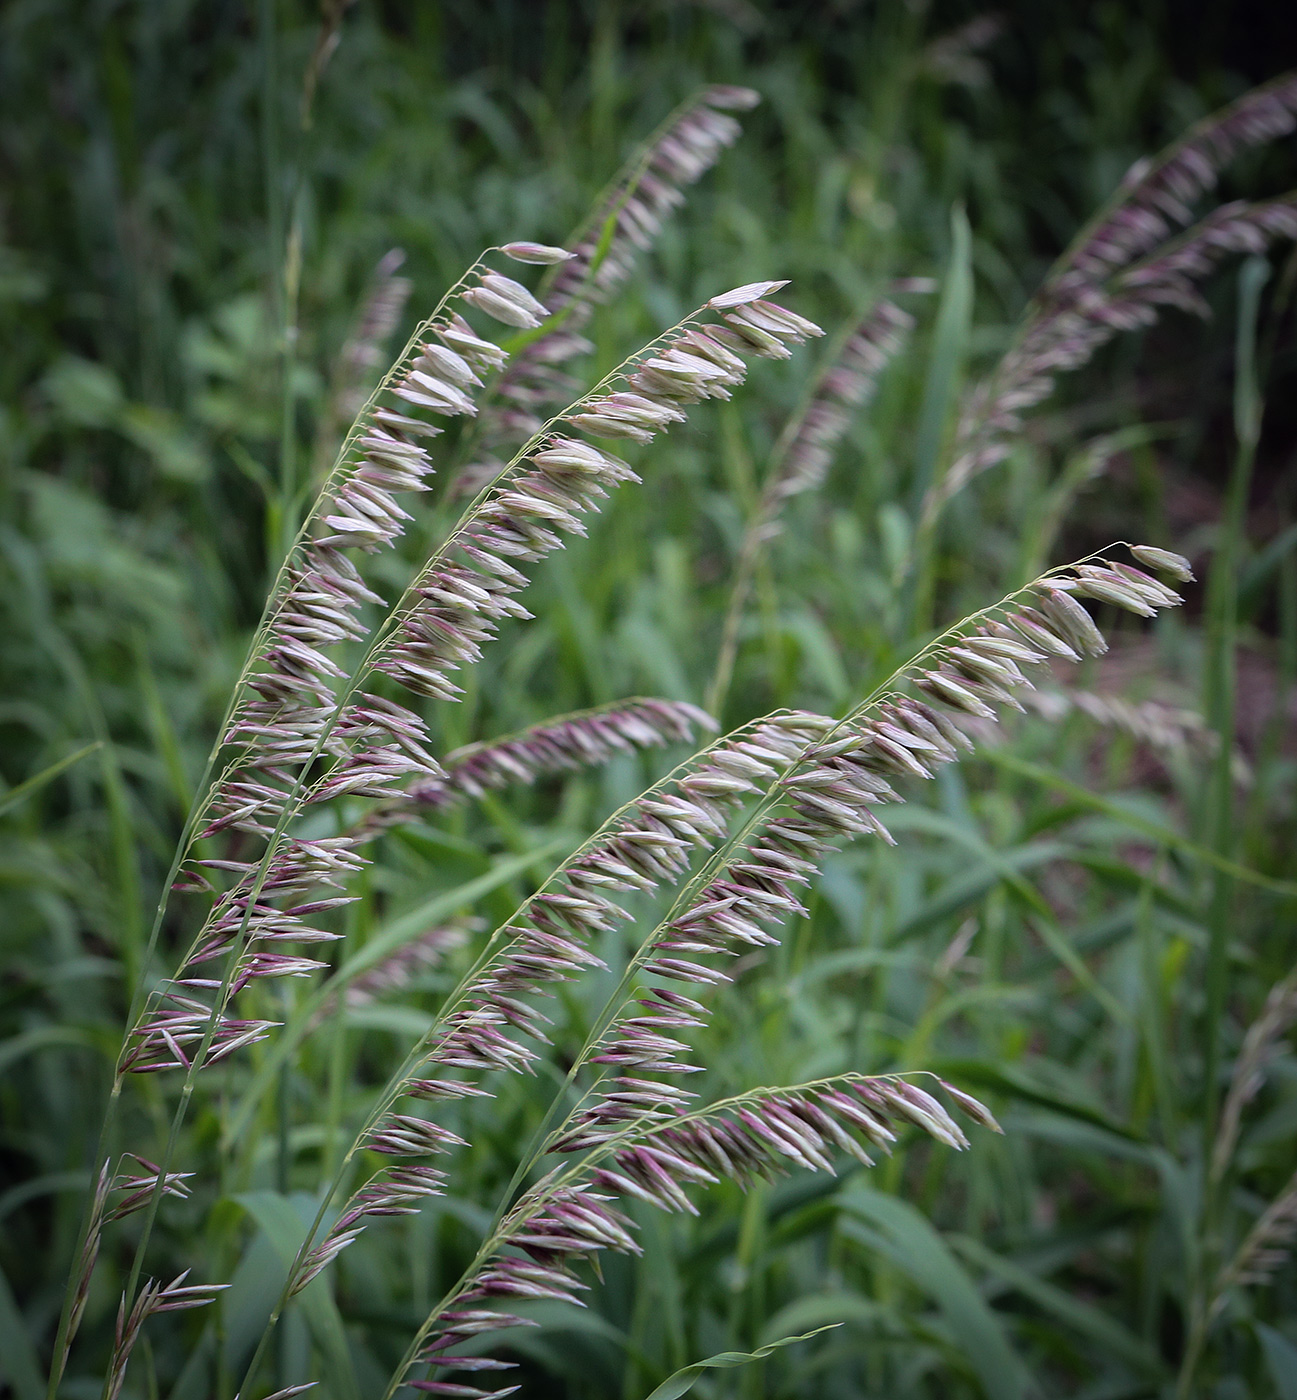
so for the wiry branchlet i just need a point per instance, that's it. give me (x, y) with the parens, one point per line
(154, 1297)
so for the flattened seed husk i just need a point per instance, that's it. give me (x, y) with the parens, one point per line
(1076, 625)
(1164, 561)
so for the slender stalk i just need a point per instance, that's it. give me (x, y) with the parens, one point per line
(1218, 796)
(1219, 680)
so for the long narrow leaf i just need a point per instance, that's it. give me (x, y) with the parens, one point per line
(47, 775)
(920, 1252)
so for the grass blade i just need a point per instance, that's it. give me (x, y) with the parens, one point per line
(284, 1221)
(34, 784)
(18, 1363)
(916, 1248)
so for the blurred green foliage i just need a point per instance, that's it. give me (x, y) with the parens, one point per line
(149, 183)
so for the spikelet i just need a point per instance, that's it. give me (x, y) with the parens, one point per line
(560, 745)
(176, 1296)
(85, 1267)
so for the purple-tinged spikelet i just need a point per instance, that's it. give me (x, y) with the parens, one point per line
(1124, 267)
(1156, 196)
(176, 1296)
(623, 225)
(846, 386)
(656, 1157)
(561, 745)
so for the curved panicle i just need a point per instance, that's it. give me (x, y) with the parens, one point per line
(309, 725)
(762, 806)
(623, 224)
(1129, 262)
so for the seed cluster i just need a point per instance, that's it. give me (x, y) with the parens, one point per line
(757, 1135)
(1127, 267)
(822, 781)
(307, 733)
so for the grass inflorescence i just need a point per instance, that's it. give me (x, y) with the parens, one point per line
(596, 883)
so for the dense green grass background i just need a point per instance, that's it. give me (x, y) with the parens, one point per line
(1041, 930)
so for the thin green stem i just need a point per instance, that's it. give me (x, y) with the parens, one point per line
(1218, 805)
